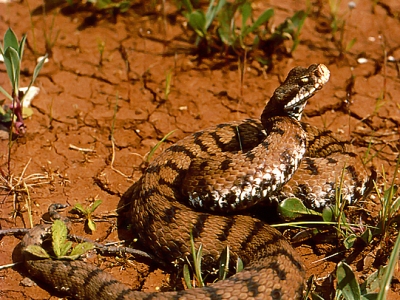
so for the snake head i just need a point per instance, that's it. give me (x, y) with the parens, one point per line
(290, 98)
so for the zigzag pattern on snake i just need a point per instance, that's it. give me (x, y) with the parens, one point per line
(200, 185)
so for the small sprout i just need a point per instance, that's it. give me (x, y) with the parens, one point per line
(88, 213)
(101, 45)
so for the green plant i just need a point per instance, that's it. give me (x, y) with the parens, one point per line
(390, 204)
(338, 25)
(121, 6)
(49, 36)
(197, 257)
(290, 29)
(101, 45)
(199, 21)
(218, 29)
(12, 52)
(234, 37)
(167, 89)
(348, 287)
(87, 212)
(62, 248)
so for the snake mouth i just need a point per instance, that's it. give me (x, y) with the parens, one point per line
(310, 85)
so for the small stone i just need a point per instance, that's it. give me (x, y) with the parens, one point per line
(362, 60)
(27, 282)
(351, 5)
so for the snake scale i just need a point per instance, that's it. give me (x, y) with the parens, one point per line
(200, 186)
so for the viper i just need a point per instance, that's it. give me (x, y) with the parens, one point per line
(201, 188)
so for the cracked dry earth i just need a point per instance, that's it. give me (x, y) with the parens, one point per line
(67, 155)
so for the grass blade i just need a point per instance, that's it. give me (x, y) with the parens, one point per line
(394, 256)
(38, 67)
(151, 153)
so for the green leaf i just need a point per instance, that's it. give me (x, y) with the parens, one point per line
(373, 281)
(226, 29)
(12, 62)
(328, 214)
(349, 241)
(186, 276)
(10, 40)
(395, 207)
(350, 44)
(372, 296)
(367, 236)
(197, 20)
(298, 20)
(38, 251)
(59, 235)
(103, 4)
(239, 265)
(196, 255)
(199, 256)
(225, 36)
(78, 207)
(91, 224)
(213, 11)
(124, 6)
(64, 248)
(80, 249)
(188, 5)
(95, 205)
(265, 16)
(246, 13)
(292, 208)
(347, 282)
(389, 193)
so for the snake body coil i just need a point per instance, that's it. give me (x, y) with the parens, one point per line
(195, 186)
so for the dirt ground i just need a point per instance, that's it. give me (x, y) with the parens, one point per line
(67, 155)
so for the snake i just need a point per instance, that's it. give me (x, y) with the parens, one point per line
(200, 188)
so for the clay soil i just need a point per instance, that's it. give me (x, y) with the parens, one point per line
(87, 100)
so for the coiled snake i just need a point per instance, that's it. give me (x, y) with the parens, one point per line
(196, 186)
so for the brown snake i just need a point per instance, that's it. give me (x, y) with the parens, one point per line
(196, 185)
